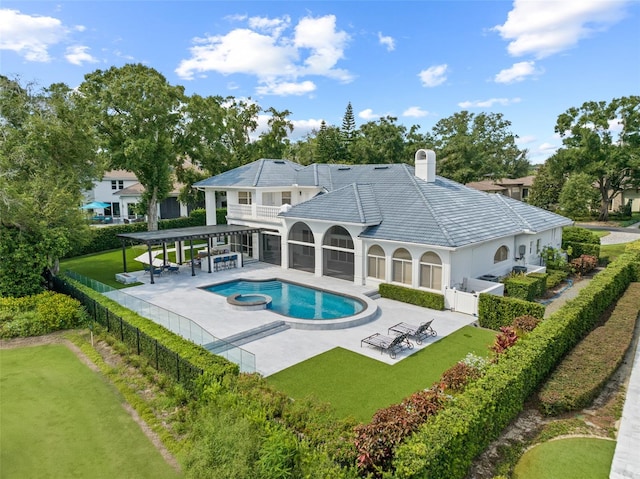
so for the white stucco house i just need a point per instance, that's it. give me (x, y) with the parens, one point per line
(122, 191)
(382, 223)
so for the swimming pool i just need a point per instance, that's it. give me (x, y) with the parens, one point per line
(294, 300)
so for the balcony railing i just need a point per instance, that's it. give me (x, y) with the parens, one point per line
(256, 212)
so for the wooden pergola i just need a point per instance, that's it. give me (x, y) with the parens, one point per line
(162, 237)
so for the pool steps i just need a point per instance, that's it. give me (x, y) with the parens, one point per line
(244, 337)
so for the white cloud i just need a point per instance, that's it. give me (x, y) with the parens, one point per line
(264, 50)
(525, 140)
(434, 76)
(387, 41)
(545, 28)
(517, 72)
(79, 54)
(547, 148)
(369, 115)
(488, 103)
(30, 36)
(302, 128)
(286, 88)
(415, 112)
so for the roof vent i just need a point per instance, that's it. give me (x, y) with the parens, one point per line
(279, 162)
(381, 167)
(344, 168)
(425, 161)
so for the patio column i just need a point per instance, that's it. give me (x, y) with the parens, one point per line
(124, 255)
(193, 267)
(150, 263)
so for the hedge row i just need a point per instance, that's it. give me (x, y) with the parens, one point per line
(526, 287)
(584, 371)
(106, 238)
(555, 277)
(199, 357)
(425, 299)
(447, 444)
(39, 314)
(497, 311)
(581, 241)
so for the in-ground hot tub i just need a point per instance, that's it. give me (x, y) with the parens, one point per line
(249, 302)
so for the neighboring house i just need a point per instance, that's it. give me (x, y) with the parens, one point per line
(517, 188)
(629, 195)
(123, 192)
(381, 223)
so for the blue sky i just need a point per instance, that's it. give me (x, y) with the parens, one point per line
(419, 61)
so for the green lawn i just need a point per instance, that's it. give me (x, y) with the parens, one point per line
(609, 252)
(104, 266)
(358, 386)
(60, 419)
(571, 458)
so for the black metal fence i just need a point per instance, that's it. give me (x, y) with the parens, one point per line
(161, 357)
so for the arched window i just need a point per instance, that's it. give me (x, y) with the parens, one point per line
(431, 271)
(376, 261)
(337, 253)
(301, 248)
(402, 266)
(501, 254)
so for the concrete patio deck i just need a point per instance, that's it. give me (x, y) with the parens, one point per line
(181, 293)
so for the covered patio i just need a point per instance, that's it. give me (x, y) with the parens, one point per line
(162, 237)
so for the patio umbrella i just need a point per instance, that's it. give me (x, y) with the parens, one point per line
(95, 205)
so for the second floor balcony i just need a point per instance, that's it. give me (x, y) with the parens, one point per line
(254, 212)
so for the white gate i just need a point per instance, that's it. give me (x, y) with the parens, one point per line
(461, 301)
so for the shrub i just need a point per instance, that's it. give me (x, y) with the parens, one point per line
(39, 314)
(457, 376)
(506, 338)
(496, 311)
(553, 258)
(584, 264)
(526, 323)
(425, 299)
(525, 287)
(376, 441)
(580, 241)
(581, 375)
(555, 277)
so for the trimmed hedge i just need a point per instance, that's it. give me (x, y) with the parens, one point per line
(584, 371)
(555, 277)
(581, 241)
(448, 442)
(425, 299)
(495, 312)
(525, 287)
(104, 239)
(217, 366)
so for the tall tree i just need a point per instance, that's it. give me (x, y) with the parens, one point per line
(603, 140)
(330, 147)
(139, 120)
(381, 141)
(274, 142)
(545, 191)
(473, 147)
(577, 196)
(47, 159)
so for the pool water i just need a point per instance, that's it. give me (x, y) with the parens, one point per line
(294, 300)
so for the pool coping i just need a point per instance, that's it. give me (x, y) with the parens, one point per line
(368, 313)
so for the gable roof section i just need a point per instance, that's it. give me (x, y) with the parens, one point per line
(354, 203)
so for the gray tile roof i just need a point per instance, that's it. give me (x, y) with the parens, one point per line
(396, 204)
(358, 205)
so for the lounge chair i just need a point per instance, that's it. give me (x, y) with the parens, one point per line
(418, 332)
(173, 269)
(389, 344)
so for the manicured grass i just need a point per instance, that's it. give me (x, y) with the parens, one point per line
(571, 458)
(609, 252)
(60, 419)
(104, 266)
(600, 233)
(358, 386)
